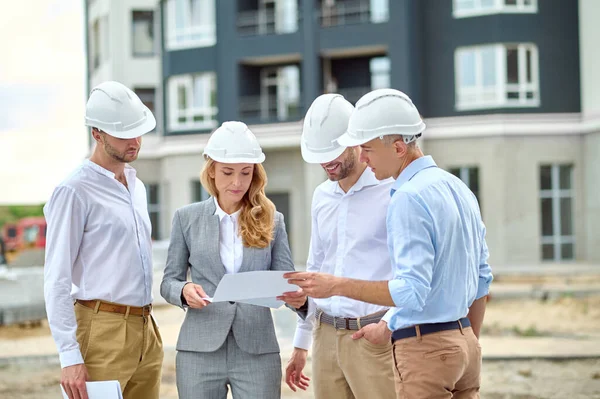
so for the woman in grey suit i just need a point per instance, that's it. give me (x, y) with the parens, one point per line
(236, 230)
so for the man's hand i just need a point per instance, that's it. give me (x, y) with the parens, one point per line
(73, 380)
(377, 334)
(315, 285)
(294, 376)
(193, 294)
(297, 299)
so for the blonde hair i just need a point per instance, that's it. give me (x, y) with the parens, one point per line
(257, 214)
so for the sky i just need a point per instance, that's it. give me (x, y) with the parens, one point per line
(42, 97)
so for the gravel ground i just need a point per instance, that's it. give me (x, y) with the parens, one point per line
(500, 380)
(569, 320)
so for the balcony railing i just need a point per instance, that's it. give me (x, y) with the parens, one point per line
(346, 12)
(269, 21)
(269, 108)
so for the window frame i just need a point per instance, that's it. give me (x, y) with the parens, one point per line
(135, 53)
(499, 7)
(555, 193)
(154, 208)
(210, 113)
(496, 96)
(189, 29)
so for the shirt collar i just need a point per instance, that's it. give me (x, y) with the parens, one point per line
(129, 171)
(366, 179)
(412, 169)
(221, 213)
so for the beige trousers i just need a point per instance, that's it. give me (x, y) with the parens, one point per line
(115, 347)
(344, 368)
(440, 365)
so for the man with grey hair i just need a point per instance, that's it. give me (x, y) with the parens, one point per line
(439, 254)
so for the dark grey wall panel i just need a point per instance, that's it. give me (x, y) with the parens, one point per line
(554, 30)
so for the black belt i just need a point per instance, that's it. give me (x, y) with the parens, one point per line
(430, 328)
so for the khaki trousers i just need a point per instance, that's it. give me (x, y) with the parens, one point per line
(344, 368)
(440, 365)
(124, 348)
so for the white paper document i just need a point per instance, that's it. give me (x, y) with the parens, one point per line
(256, 288)
(100, 390)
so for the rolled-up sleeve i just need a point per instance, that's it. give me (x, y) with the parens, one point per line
(316, 254)
(65, 219)
(410, 236)
(485, 271)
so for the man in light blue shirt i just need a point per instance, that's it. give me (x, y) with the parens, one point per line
(436, 240)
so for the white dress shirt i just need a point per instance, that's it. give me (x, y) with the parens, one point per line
(348, 239)
(231, 246)
(98, 247)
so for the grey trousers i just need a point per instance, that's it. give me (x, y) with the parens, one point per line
(205, 375)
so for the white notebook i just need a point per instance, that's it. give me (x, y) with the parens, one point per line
(100, 390)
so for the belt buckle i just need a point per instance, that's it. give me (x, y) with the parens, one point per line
(335, 324)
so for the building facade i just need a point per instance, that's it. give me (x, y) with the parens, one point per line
(506, 87)
(122, 45)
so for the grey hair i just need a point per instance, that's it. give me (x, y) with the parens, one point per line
(392, 138)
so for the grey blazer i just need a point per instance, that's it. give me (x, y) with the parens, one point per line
(195, 245)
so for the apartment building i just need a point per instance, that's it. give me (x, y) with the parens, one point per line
(507, 87)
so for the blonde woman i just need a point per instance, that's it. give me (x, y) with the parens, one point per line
(236, 230)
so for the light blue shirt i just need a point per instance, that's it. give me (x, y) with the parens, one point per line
(436, 240)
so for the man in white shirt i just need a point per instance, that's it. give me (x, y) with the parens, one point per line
(99, 255)
(348, 239)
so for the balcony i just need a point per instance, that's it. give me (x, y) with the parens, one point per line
(270, 108)
(349, 12)
(281, 17)
(353, 77)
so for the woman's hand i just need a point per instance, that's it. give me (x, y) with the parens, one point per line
(297, 299)
(193, 294)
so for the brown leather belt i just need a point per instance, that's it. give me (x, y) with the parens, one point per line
(116, 308)
(348, 323)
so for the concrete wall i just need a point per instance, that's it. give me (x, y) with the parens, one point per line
(509, 189)
(589, 30)
(591, 194)
(122, 65)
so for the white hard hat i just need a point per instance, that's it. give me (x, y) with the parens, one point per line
(380, 113)
(325, 121)
(233, 142)
(118, 111)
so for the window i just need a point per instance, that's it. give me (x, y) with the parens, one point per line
(143, 33)
(497, 76)
(272, 16)
(147, 95)
(193, 102)
(199, 193)
(279, 97)
(98, 42)
(190, 23)
(471, 8)
(154, 209)
(380, 73)
(556, 204)
(345, 12)
(470, 176)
